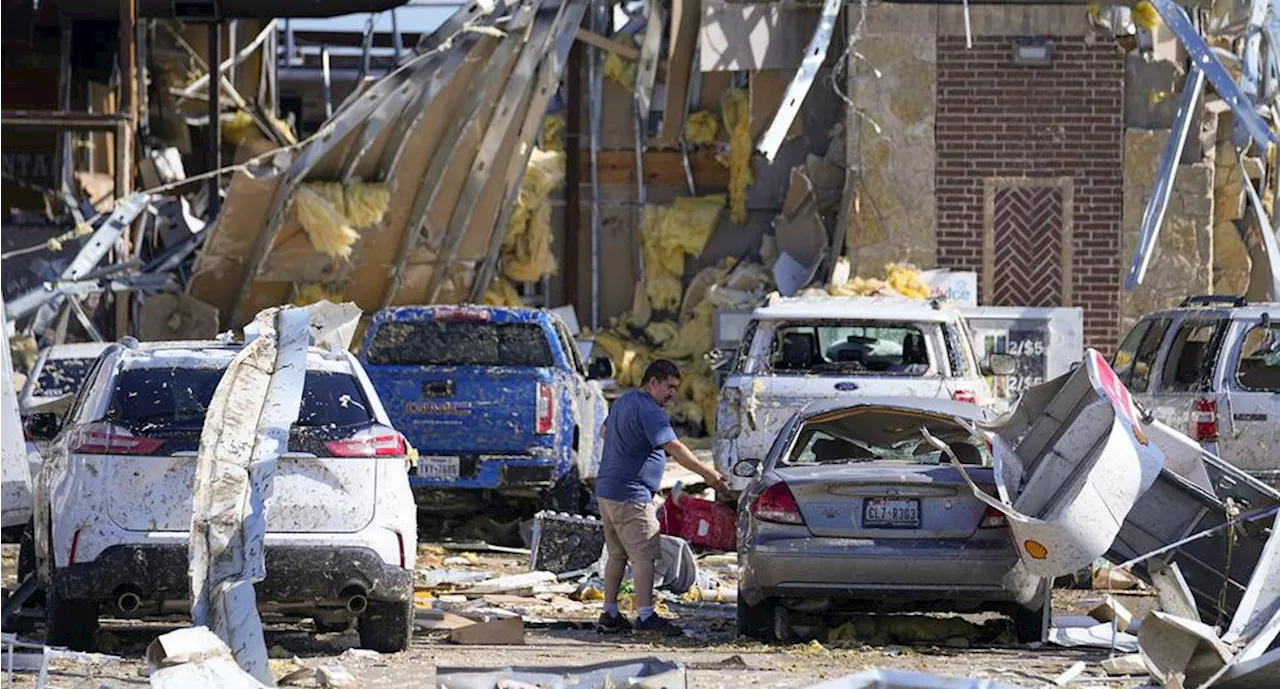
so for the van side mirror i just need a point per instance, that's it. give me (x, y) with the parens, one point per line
(747, 468)
(600, 369)
(999, 365)
(42, 425)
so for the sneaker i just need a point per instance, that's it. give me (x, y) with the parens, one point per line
(611, 624)
(656, 624)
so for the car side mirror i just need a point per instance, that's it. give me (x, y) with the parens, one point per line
(600, 369)
(747, 468)
(42, 425)
(999, 365)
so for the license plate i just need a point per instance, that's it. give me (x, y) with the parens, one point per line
(891, 513)
(439, 468)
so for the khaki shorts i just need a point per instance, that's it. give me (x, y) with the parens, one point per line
(630, 530)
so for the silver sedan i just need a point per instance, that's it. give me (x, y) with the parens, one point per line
(852, 510)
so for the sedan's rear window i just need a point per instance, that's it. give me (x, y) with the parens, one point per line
(61, 377)
(460, 343)
(852, 348)
(180, 397)
(880, 435)
(1259, 364)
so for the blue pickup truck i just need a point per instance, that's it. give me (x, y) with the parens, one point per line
(497, 401)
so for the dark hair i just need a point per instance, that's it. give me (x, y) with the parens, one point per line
(660, 370)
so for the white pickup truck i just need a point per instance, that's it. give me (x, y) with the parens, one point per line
(797, 351)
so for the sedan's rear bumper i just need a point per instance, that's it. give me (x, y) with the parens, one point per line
(890, 571)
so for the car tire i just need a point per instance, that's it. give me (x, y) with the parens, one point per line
(70, 623)
(1028, 624)
(386, 626)
(566, 495)
(755, 621)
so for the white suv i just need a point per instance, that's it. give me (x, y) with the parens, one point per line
(114, 506)
(801, 350)
(1211, 368)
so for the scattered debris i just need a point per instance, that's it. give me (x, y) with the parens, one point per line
(195, 658)
(508, 632)
(1111, 609)
(903, 679)
(564, 543)
(516, 584)
(335, 677)
(1125, 665)
(646, 672)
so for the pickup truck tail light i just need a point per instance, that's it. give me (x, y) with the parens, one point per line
(964, 396)
(993, 519)
(546, 410)
(109, 439)
(777, 504)
(378, 441)
(1204, 420)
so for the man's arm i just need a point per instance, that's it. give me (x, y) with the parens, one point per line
(685, 458)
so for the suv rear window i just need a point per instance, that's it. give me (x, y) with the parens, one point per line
(180, 397)
(460, 343)
(1259, 364)
(851, 347)
(60, 377)
(1188, 366)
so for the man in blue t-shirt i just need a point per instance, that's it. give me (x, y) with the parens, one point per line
(637, 440)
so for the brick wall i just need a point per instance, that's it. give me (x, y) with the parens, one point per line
(1065, 120)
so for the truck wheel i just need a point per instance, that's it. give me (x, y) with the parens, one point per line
(70, 623)
(386, 627)
(755, 621)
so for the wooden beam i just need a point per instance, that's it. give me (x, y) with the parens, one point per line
(626, 51)
(661, 168)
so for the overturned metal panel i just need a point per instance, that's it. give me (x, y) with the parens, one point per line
(1071, 460)
(800, 84)
(906, 679)
(1218, 566)
(246, 428)
(1158, 203)
(1179, 651)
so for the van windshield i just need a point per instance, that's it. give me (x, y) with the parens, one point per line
(850, 347)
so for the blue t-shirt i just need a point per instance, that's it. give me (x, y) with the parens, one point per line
(633, 460)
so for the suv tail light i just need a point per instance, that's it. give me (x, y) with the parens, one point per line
(993, 519)
(545, 423)
(1204, 420)
(777, 504)
(378, 441)
(964, 396)
(109, 439)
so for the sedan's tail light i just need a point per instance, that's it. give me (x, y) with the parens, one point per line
(108, 439)
(1204, 420)
(993, 519)
(378, 441)
(964, 396)
(777, 504)
(545, 423)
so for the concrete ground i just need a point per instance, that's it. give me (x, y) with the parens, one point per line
(560, 634)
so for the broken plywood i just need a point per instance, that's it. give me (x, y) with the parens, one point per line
(508, 632)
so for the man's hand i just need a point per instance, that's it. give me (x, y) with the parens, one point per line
(685, 458)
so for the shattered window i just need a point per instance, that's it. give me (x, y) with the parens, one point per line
(181, 397)
(852, 348)
(1138, 352)
(461, 343)
(1259, 364)
(881, 436)
(61, 377)
(1189, 363)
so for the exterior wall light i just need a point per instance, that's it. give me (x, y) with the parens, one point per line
(1032, 51)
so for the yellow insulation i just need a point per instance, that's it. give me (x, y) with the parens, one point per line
(668, 235)
(502, 293)
(553, 133)
(701, 127)
(901, 279)
(735, 107)
(366, 202)
(239, 128)
(326, 227)
(1146, 15)
(526, 249)
(315, 292)
(622, 72)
